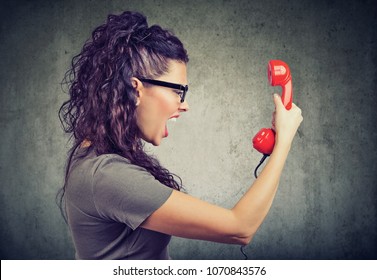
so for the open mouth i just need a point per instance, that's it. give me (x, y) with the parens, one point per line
(171, 120)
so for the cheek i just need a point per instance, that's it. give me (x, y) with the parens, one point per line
(166, 104)
(155, 111)
(168, 107)
(158, 111)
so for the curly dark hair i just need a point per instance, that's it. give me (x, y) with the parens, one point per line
(102, 103)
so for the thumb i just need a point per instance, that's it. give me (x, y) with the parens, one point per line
(277, 100)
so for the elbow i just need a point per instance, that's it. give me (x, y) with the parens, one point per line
(236, 237)
(245, 240)
(244, 237)
(242, 233)
(239, 232)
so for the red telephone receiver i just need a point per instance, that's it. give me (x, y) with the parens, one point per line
(278, 75)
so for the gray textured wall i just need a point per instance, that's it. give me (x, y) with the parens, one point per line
(326, 204)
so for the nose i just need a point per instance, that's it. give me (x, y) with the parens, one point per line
(184, 107)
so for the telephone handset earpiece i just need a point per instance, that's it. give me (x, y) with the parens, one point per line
(279, 74)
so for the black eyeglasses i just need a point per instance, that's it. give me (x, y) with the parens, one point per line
(183, 89)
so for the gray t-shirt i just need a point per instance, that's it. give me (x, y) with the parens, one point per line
(107, 198)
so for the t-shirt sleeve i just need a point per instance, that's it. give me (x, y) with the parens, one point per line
(126, 193)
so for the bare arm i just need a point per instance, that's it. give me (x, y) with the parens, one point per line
(185, 216)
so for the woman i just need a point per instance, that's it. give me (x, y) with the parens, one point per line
(120, 203)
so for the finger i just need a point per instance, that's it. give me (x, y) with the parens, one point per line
(296, 108)
(277, 100)
(273, 116)
(273, 126)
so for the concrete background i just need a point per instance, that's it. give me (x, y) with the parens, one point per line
(326, 205)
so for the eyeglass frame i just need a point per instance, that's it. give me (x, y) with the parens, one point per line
(183, 88)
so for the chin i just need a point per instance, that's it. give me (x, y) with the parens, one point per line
(154, 142)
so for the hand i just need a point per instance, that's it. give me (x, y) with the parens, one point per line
(285, 123)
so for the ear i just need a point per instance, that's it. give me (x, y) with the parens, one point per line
(138, 86)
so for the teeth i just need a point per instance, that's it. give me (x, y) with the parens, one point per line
(173, 119)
